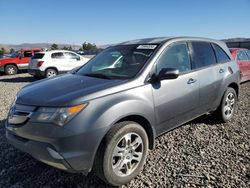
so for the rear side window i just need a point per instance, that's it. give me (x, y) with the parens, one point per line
(58, 55)
(242, 56)
(221, 55)
(38, 56)
(203, 54)
(176, 56)
(27, 54)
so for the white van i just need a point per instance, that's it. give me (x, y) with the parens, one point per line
(52, 63)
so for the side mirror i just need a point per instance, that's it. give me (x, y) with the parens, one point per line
(78, 58)
(168, 73)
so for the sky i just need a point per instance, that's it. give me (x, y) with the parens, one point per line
(112, 21)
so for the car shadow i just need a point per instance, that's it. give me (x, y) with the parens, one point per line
(210, 119)
(19, 79)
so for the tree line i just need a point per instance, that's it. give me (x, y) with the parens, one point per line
(85, 46)
(4, 51)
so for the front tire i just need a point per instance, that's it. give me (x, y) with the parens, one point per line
(228, 105)
(122, 153)
(51, 73)
(10, 69)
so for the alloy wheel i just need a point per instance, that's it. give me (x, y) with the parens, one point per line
(229, 105)
(51, 73)
(127, 154)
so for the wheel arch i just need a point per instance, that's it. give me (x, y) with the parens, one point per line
(51, 67)
(11, 64)
(235, 87)
(145, 124)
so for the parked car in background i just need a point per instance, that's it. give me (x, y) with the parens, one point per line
(52, 63)
(242, 57)
(106, 115)
(19, 60)
(80, 52)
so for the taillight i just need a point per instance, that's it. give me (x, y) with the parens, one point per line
(39, 64)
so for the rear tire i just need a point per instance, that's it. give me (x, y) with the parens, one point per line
(10, 69)
(51, 73)
(228, 106)
(122, 153)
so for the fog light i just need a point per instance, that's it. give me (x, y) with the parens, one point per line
(54, 154)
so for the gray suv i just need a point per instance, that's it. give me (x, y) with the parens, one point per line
(105, 115)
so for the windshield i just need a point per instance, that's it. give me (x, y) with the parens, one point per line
(15, 54)
(118, 62)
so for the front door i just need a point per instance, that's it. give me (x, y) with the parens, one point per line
(73, 60)
(175, 100)
(23, 59)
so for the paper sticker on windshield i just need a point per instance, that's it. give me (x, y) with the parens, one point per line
(147, 47)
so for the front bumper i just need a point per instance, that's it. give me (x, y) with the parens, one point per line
(39, 150)
(54, 145)
(36, 72)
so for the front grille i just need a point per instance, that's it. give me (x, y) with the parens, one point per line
(20, 114)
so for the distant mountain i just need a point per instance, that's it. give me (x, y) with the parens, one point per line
(237, 40)
(36, 45)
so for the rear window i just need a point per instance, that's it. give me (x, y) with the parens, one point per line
(38, 56)
(221, 55)
(203, 54)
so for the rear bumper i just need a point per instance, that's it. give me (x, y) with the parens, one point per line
(36, 72)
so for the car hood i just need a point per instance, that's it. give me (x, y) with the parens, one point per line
(65, 90)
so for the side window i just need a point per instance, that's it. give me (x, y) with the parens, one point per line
(58, 55)
(242, 56)
(176, 56)
(27, 54)
(221, 55)
(203, 54)
(248, 54)
(70, 55)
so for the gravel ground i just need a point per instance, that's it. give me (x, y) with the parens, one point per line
(201, 153)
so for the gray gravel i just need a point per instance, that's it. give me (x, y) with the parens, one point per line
(201, 153)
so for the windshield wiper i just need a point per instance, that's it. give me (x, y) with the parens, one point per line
(98, 75)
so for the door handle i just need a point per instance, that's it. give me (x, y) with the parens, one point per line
(191, 81)
(221, 70)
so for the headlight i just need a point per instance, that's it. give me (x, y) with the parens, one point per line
(59, 116)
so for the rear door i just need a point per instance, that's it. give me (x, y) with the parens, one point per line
(175, 100)
(59, 61)
(210, 74)
(243, 62)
